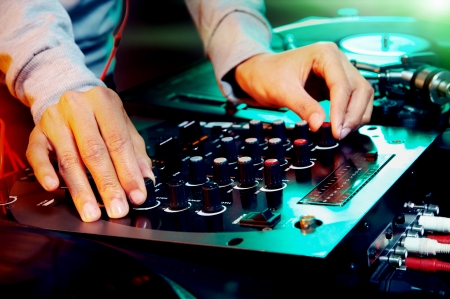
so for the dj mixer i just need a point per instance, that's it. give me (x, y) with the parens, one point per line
(254, 190)
(248, 202)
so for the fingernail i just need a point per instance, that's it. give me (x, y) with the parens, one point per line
(137, 197)
(90, 212)
(49, 182)
(117, 209)
(344, 133)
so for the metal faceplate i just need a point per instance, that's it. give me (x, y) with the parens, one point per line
(397, 148)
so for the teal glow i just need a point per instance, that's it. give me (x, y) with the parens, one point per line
(357, 183)
(382, 44)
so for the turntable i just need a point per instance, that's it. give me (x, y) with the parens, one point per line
(380, 47)
(373, 40)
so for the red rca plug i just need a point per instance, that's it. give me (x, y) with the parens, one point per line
(426, 265)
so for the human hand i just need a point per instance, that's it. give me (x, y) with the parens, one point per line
(91, 129)
(289, 79)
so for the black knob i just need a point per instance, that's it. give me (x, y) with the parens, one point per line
(221, 171)
(246, 171)
(168, 157)
(197, 173)
(190, 132)
(217, 132)
(326, 138)
(253, 150)
(301, 155)
(301, 131)
(211, 198)
(177, 194)
(163, 149)
(272, 174)
(151, 195)
(279, 130)
(229, 150)
(389, 234)
(256, 130)
(400, 219)
(276, 150)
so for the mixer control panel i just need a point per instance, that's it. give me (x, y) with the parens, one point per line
(244, 185)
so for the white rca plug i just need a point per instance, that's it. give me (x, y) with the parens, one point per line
(434, 223)
(425, 246)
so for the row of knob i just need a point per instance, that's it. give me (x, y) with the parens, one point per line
(243, 168)
(191, 135)
(277, 130)
(213, 193)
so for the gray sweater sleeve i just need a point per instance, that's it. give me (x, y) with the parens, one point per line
(232, 31)
(39, 59)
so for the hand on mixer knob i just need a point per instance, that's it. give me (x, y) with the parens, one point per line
(293, 78)
(150, 201)
(325, 137)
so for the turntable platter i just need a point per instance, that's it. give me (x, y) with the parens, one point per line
(384, 44)
(370, 39)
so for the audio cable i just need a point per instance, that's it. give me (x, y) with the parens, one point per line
(117, 39)
(426, 264)
(16, 162)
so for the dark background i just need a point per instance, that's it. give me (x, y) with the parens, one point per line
(160, 36)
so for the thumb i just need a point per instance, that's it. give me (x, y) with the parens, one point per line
(307, 108)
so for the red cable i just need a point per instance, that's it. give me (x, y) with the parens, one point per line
(117, 39)
(2, 145)
(440, 238)
(5, 149)
(426, 265)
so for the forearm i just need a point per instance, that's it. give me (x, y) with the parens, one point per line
(232, 32)
(38, 55)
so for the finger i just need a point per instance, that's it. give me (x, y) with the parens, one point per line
(70, 165)
(38, 156)
(357, 108)
(300, 102)
(330, 67)
(144, 162)
(368, 113)
(360, 106)
(94, 154)
(114, 145)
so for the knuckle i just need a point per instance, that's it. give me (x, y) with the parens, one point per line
(105, 94)
(117, 143)
(109, 188)
(366, 88)
(327, 46)
(50, 115)
(68, 161)
(69, 97)
(344, 90)
(93, 150)
(370, 91)
(304, 107)
(139, 142)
